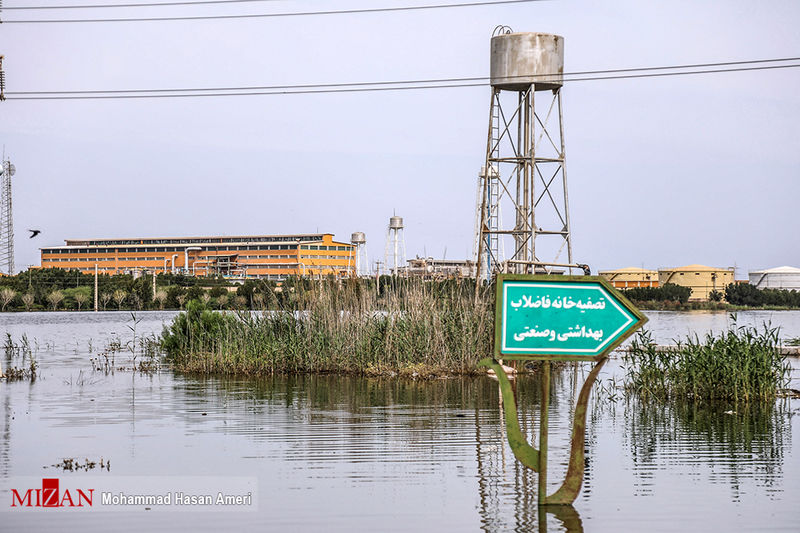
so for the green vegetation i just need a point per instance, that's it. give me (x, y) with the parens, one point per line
(668, 293)
(735, 296)
(405, 327)
(58, 290)
(746, 295)
(742, 364)
(29, 365)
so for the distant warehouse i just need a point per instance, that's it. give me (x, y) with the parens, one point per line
(626, 278)
(700, 278)
(785, 277)
(273, 257)
(430, 268)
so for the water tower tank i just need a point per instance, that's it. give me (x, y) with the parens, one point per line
(521, 59)
(358, 238)
(396, 223)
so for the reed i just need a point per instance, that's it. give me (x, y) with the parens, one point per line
(741, 364)
(409, 327)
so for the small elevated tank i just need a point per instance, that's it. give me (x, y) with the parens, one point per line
(521, 59)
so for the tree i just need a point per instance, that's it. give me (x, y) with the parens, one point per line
(222, 300)
(55, 298)
(119, 297)
(216, 292)
(7, 295)
(173, 291)
(239, 301)
(80, 299)
(160, 297)
(181, 298)
(744, 294)
(667, 292)
(194, 293)
(27, 300)
(105, 297)
(205, 298)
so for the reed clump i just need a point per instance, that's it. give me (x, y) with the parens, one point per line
(741, 364)
(409, 328)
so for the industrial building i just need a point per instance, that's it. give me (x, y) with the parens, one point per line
(273, 257)
(626, 278)
(437, 269)
(700, 278)
(785, 277)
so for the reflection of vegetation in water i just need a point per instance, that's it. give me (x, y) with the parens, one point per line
(341, 328)
(747, 441)
(405, 421)
(742, 364)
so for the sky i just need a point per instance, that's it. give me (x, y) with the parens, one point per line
(662, 171)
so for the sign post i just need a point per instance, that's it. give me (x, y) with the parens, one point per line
(556, 318)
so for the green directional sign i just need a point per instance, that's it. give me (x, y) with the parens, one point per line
(560, 317)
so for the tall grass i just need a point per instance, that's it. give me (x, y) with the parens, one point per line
(741, 364)
(411, 327)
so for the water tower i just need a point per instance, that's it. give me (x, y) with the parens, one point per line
(359, 240)
(525, 153)
(395, 253)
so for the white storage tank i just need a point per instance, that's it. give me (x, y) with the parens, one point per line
(519, 60)
(785, 277)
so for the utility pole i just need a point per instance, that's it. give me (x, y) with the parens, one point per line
(95, 287)
(154, 284)
(6, 218)
(2, 79)
(377, 278)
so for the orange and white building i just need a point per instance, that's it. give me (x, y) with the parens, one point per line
(273, 257)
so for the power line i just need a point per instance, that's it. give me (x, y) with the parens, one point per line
(351, 89)
(405, 82)
(274, 15)
(152, 4)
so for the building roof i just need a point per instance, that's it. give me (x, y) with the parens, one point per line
(778, 270)
(694, 268)
(301, 238)
(197, 239)
(629, 270)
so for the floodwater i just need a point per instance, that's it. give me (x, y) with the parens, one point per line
(331, 453)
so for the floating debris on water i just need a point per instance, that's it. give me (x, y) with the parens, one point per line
(72, 465)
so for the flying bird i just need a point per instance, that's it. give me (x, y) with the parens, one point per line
(34, 232)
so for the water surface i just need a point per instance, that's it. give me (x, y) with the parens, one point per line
(332, 453)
